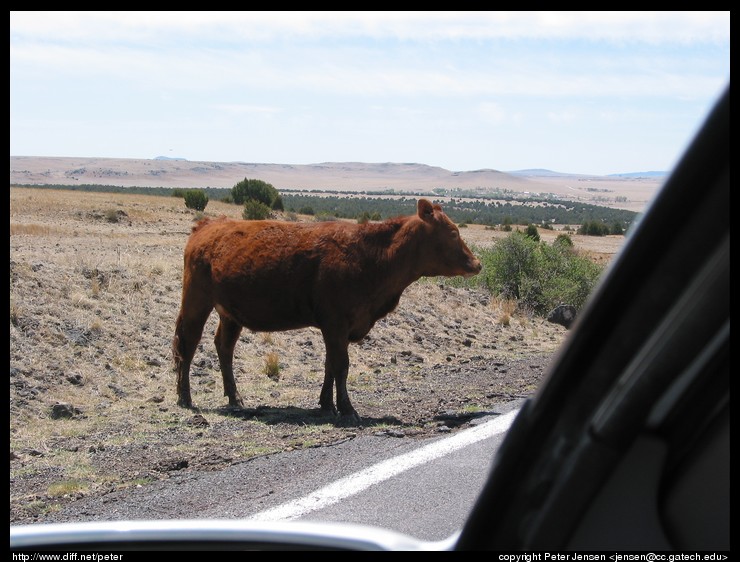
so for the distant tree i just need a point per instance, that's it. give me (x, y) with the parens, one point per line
(277, 203)
(195, 199)
(593, 228)
(258, 190)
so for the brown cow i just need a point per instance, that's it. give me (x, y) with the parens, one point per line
(340, 277)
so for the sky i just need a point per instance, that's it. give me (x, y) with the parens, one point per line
(573, 92)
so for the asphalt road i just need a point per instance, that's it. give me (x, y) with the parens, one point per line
(430, 501)
(424, 488)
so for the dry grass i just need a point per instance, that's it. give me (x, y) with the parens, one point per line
(504, 310)
(272, 366)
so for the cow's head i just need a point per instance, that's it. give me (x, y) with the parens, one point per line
(444, 253)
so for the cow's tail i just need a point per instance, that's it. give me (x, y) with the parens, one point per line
(176, 351)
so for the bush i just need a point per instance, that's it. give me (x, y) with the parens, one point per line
(258, 190)
(532, 233)
(325, 217)
(255, 210)
(563, 241)
(367, 216)
(195, 199)
(538, 276)
(565, 277)
(508, 264)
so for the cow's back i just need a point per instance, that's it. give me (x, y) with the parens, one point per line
(264, 274)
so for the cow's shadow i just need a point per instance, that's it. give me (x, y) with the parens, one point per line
(271, 415)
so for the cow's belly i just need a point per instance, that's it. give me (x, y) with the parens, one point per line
(267, 315)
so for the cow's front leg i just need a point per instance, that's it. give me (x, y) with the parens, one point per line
(335, 371)
(326, 399)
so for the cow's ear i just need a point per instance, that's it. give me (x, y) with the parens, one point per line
(425, 209)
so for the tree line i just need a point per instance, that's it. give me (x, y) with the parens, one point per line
(463, 209)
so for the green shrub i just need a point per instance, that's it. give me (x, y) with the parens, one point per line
(508, 264)
(367, 216)
(196, 199)
(325, 217)
(255, 210)
(532, 233)
(537, 275)
(563, 241)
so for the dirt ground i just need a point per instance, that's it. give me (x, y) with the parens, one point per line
(94, 291)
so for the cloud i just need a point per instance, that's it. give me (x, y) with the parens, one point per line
(245, 109)
(406, 26)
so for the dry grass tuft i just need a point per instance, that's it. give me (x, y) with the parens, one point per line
(504, 309)
(272, 366)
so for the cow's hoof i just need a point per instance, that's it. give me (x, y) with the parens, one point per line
(349, 420)
(185, 403)
(328, 410)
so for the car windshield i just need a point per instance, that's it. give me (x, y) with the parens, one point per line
(308, 267)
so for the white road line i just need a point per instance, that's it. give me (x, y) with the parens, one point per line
(359, 481)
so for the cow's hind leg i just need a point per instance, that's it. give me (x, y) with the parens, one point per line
(227, 335)
(188, 331)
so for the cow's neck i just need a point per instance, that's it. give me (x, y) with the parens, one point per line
(397, 253)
